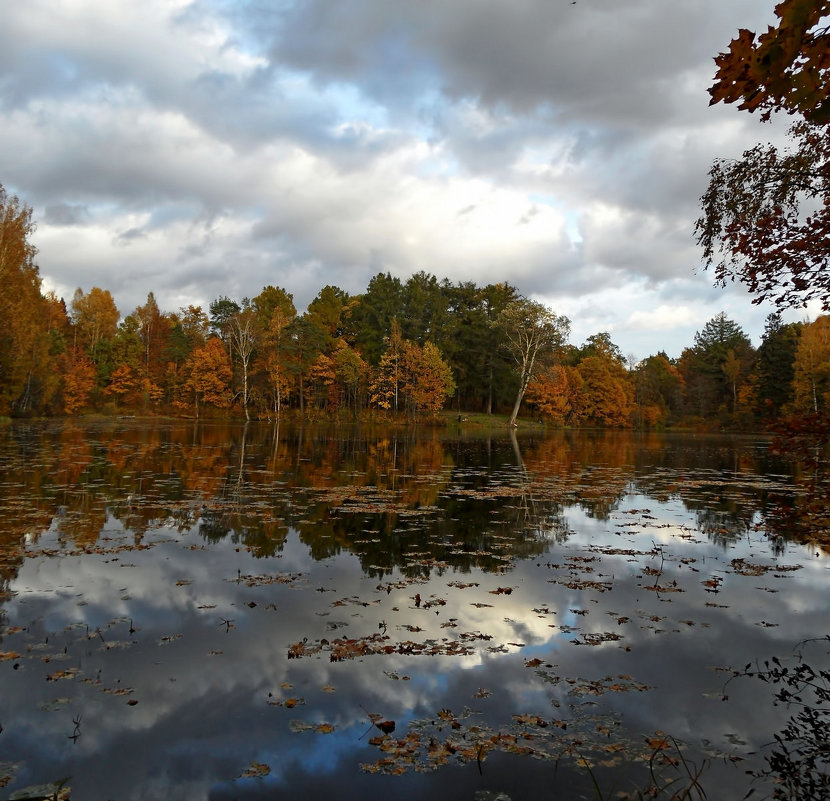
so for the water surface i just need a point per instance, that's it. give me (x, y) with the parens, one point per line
(214, 612)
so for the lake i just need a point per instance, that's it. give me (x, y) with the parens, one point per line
(195, 611)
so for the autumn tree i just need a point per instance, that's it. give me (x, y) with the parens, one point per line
(120, 366)
(78, 380)
(274, 308)
(765, 218)
(195, 325)
(428, 380)
(187, 330)
(384, 390)
(411, 377)
(811, 373)
(33, 326)
(530, 331)
(275, 311)
(658, 391)
(124, 384)
(153, 330)
(351, 373)
(95, 317)
(209, 374)
(607, 393)
(589, 385)
(322, 380)
(785, 68)
(556, 393)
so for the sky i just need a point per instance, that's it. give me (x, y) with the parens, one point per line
(207, 148)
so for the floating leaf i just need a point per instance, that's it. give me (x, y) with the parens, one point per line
(255, 770)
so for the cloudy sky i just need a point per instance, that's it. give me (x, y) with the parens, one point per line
(199, 148)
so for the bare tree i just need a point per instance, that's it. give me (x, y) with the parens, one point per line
(530, 330)
(243, 339)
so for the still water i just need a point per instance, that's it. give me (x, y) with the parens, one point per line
(214, 612)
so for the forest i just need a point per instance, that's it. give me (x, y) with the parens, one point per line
(401, 348)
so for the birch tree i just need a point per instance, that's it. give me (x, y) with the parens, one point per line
(531, 331)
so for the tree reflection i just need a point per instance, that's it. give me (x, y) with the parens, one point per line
(408, 499)
(798, 761)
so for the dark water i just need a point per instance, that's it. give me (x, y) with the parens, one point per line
(238, 613)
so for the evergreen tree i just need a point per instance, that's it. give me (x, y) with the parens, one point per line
(716, 367)
(372, 316)
(776, 359)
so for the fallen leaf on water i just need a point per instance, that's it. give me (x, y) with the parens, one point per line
(386, 726)
(255, 770)
(69, 673)
(290, 703)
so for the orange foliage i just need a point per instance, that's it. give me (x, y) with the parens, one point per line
(123, 383)
(787, 67)
(556, 393)
(607, 393)
(209, 374)
(78, 382)
(428, 380)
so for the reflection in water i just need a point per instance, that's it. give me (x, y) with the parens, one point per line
(238, 605)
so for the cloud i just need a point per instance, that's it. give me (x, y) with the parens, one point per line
(197, 149)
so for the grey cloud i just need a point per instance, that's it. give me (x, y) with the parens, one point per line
(66, 214)
(592, 58)
(125, 237)
(235, 145)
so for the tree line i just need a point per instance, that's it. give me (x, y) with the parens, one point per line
(410, 347)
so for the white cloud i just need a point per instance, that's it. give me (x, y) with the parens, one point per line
(662, 318)
(196, 149)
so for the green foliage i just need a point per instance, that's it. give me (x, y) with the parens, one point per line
(410, 347)
(372, 317)
(222, 311)
(716, 368)
(601, 345)
(658, 389)
(776, 360)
